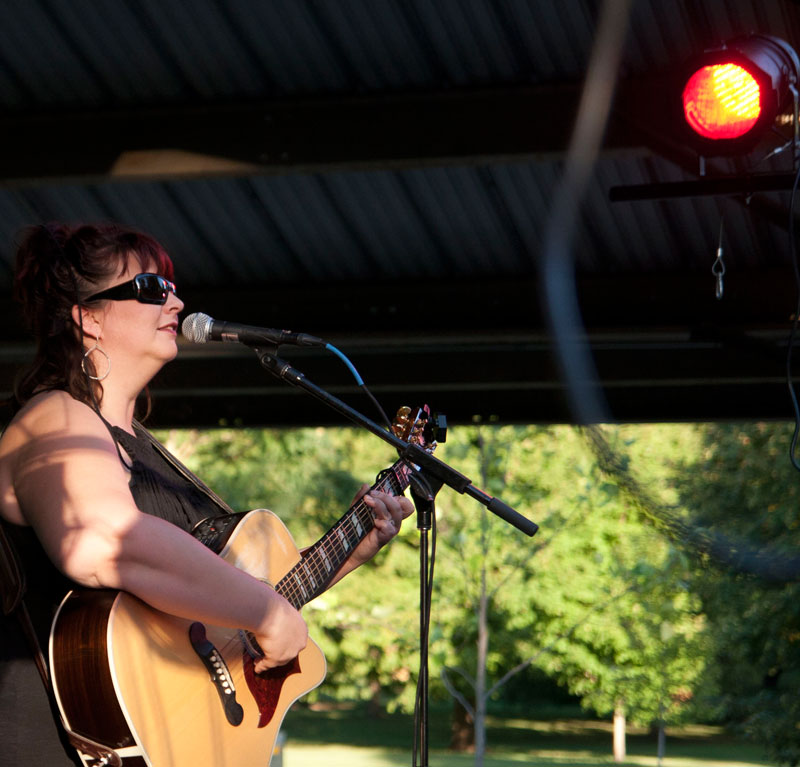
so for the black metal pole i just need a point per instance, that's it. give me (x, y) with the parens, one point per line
(436, 470)
(424, 622)
(704, 187)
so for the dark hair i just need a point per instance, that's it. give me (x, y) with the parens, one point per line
(59, 266)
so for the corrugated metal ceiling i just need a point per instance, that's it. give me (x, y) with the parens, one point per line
(427, 218)
(473, 221)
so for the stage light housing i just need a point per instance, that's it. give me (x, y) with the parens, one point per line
(733, 95)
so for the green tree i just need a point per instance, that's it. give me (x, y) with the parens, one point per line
(482, 554)
(643, 654)
(599, 600)
(744, 493)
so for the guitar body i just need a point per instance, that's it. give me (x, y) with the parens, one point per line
(140, 681)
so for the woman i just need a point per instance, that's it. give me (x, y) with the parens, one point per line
(84, 495)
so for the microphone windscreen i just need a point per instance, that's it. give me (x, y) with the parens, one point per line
(197, 327)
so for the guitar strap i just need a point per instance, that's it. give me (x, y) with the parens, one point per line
(181, 469)
(12, 576)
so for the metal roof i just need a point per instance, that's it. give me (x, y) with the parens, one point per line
(381, 173)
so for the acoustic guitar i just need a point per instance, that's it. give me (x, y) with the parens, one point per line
(152, 689)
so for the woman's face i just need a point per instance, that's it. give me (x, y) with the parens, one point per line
(139, 338)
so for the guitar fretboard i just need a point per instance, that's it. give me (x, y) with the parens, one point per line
(319, 565)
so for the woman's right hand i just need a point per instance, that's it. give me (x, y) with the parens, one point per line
(282, 635)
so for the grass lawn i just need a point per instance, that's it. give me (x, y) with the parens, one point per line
(349, 738)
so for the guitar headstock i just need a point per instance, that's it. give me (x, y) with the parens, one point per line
(420, 427)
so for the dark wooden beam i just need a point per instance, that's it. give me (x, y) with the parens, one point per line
(410, 129)
(648, 380)
(755, 401)
(663, 346)
(624, 302)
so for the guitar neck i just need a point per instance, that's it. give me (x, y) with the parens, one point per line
(320, 563)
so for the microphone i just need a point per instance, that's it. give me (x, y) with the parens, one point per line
(200, 328)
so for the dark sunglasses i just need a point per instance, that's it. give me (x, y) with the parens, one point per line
(145, 288)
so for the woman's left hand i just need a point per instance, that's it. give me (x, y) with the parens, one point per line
(388, 511)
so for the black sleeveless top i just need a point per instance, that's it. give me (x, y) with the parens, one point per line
(163, 487)
(160, 486)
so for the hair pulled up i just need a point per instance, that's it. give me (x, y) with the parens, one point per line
(58, 266)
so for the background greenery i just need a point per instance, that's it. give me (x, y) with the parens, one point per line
(662, 584)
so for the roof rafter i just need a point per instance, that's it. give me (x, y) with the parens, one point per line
(402, 130)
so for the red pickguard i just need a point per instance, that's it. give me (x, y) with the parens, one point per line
(266, 688)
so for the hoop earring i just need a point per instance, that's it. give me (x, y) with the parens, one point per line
(96, 348)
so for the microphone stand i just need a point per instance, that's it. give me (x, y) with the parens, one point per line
(437, 469)
(425, 483)
(423, 493)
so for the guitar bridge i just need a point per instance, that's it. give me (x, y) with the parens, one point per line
(218, 671)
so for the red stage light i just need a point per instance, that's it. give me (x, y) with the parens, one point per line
(732, 95)
(722, 101)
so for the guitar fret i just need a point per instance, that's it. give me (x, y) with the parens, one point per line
(325, 559)
(394, 483)
(300, 586)
(356, 522)
(312, 571)
(343, 539)
(318, 578)
(388, 486)
(312, 575)
(334, 552)
(401, 479)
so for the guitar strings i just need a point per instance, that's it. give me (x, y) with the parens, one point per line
(312, 561)
(331, 550)
(331, 547)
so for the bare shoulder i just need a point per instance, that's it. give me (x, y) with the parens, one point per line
(56, 408)
(53, 422)
(52, 430)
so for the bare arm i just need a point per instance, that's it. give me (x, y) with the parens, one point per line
(72, 488)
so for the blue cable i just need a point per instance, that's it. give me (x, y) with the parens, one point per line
(343, 358)
(360, 382)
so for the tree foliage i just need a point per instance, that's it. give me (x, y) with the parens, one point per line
(743, 487)
(616, 598)
(599, 600)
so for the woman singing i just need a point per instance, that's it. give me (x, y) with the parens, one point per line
(86, 497)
